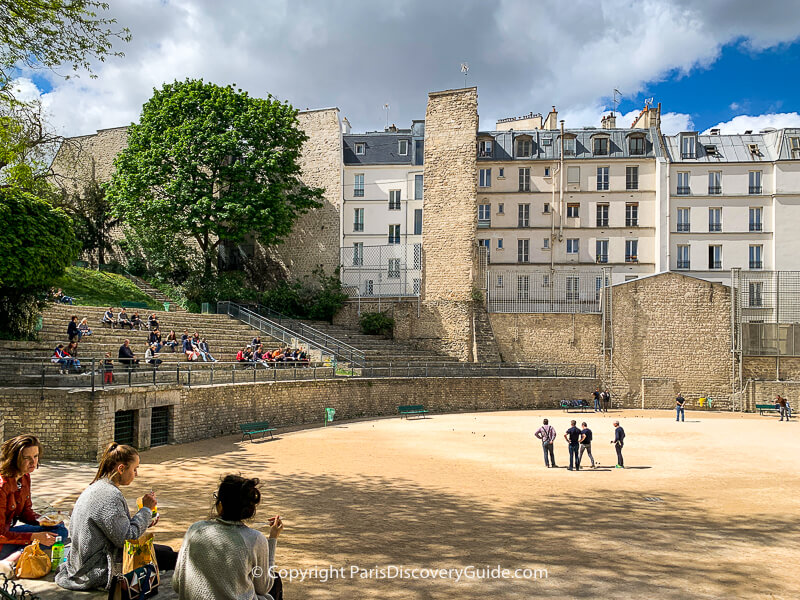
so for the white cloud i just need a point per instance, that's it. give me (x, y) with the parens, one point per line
(756, 123)
(358, 54)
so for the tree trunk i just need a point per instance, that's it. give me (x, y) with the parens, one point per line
(206, 257)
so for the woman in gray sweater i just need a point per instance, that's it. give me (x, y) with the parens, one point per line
(222, 558)
(101, 522)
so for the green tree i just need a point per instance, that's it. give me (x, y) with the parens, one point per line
(38, 242)
(51, 33)
(90, 211)
(211, 163)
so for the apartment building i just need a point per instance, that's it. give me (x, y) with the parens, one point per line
(381, 230)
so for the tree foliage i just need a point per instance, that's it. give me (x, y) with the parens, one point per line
(211, 163)
(50, 33)
(90, 211)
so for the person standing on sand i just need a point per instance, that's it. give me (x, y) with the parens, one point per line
(547, 434)
(597, 395)
(680, 411)
(572, 436)
(606, 400)
(586, 443)
(619, 441)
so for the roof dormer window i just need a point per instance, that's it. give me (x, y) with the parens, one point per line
(636, 145)
(524, 145)
(711, 149)
(600, 145)
(485, 148)
(688, 145)
(361, 148)
(569, 145)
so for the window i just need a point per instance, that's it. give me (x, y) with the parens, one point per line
(569, 146)
(755, 256)
(631, 214)
(358, 185)
(547, 171)
(484, 215)
(361, 148)
(418, 187)
(486, 244)
(524, 215)
(417, 221)
(755, 183)
(501, 208)
(573, 245)
(574, 175)
(417, 256)
(394, 268)
(600, 146)
(683, 257)
(715, 182)
(525, 179)
(754, 290)
(602, 215)
(794, 144)
(636, 145)
(499, 243)
(631, 178)
(715, 219)
(402, 149)
(601, 251)
(546, 208)
(755, 219)
(394, 199)
(485, 178)
(688, 146)
(394, 234)
(485, 148)
(683, 220)
(501, 173)
(715, 257)
(573, 288)
(546, 243)
(358, 219)
(631, 251)
(419, 152)
(523, 287)
(545, 280)
(602, 178)
(368, 289)
(524, 147)
(358, 254)
(499, 281)
(683, 184)
(523, 251)
(573, 209)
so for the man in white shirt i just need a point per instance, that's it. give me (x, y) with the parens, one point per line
(547, 434)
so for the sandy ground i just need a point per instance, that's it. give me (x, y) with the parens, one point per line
(709, 508)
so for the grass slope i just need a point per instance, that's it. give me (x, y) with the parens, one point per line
(98, 288)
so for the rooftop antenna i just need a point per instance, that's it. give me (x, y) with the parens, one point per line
(386, 108)
(616, 98)
(648, 102)
(465, 70)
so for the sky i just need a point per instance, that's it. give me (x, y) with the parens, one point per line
(710, 63)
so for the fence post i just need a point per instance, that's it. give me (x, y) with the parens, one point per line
(233, 374)
(190, 376)
(390, 369)
(154, 374)
(408, 365)
(315, 372)
(295, 372)
(426, 369)
(178, 372)
(212, 373)
(275, 372)
(130, 373)
(93, 375)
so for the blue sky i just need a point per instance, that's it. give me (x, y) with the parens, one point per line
(710, 63)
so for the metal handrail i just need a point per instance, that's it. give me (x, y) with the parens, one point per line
(314, 339)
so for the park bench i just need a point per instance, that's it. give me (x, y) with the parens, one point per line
(127, 304)
(762, 408)
(568, 405)
(412, 409)
(248, 429)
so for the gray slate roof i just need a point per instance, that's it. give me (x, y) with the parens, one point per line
(546, 143)
(382, 148)
(729, 148)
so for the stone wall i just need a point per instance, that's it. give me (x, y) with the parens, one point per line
(764, 392)
(75, 425)
(770, 368)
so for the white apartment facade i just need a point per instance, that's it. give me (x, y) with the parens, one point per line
(381, 229)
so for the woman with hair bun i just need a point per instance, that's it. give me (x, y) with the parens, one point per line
(223, 559)
(19, 457)
(101, 522)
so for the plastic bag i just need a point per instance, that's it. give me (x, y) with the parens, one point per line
(33, 563)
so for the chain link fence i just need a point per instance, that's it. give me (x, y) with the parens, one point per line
(374, 271)
(528, 291)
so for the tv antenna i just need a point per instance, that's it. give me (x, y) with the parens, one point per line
(616, 99)
(648, 102)
(465, 70)
(386, 108)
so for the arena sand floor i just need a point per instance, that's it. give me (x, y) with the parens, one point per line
(709, 508)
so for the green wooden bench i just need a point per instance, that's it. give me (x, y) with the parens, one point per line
(762, 408)
(248, 429)
(134, 304)
(412, 409)
(577, 404)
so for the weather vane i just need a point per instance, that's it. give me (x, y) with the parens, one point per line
(465, 70)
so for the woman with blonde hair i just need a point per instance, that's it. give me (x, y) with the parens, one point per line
(19, 457)
(101, 522)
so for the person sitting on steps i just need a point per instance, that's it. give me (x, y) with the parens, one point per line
(122, 319)
(108, 318)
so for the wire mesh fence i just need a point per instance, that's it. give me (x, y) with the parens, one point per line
(528, 291)
(388, 270)
(766, 312)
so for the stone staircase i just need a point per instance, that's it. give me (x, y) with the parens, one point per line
(486, 349)
(155, 293)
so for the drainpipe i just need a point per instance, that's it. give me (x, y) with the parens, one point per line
(557, 169)
(561, 189)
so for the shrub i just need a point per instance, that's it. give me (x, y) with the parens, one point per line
(376, 323)
(319, 300)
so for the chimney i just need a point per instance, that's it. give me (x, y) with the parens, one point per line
(345, 126)
(392, 128)
(609, 121)
(551, 122)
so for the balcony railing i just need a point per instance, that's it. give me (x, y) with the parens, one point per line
(714, 264)
(631, 258)
(602, 258)
(602, 222)
(683, 264)
(756, 264)
(358, 192)
(683, 227)
(714, 189)
(631, 222)
(754, 189)
(684, 190)
(715, 226)
(756, 227)
(358, 227)
(688, 155)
